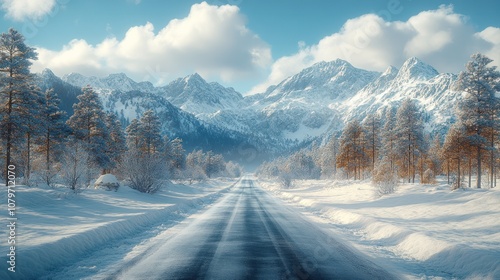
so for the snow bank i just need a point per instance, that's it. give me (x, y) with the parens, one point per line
(108, 181)
(76, 225)
(442, 233)
(420, 247)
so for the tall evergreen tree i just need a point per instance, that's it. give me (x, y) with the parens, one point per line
(116, 146)
(133, 134)
(32, 123)
(15, 81)
(352, 155)
(372, 126)
(177, 155)
(480, 107)
(144, 162)
(454, 147)
(150, 133)
(410, 137)
(88, 126)
(435, 159)
(54, 131)
(210, 166)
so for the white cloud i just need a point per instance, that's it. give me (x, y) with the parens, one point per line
(211, 40)
(492, 36)
(27, 9)
(440, 37)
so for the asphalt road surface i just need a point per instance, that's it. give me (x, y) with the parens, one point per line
(248, 234)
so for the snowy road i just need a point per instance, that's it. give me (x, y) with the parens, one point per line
(249, 234)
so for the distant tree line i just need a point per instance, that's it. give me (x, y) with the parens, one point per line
(40, 141)
(393, 146)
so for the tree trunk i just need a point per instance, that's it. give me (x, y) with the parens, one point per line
(47, 149)
(492, 170)
(470, 170)
(334, 158)
(413, 167)
(478, 185)
(28, 158)
(492, 159)
(421, 168)
(392, 155)
(409, 164)
(448, 169)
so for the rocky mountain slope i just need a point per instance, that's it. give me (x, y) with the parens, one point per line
(312, 104)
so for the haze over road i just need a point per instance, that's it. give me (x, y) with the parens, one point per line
(249, 234)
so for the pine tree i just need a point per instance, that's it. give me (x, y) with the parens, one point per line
(372, 126)
(54, 132)
(88, 126)
(133, 135)
(117, 145)
(480, 107)
(144, 161)
(435, 160)
(351, 155)
(454, 148)
(213, 164)
(15, 58)
(177, 155)
(150, 133)
(409, 132)
(32, 123)
(167, 150)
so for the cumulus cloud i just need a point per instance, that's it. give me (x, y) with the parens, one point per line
(492, 36)
(212, 40)
(27, 9)
(440, 37)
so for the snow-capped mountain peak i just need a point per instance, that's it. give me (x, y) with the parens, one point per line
(195, 95)
(194, 78)
(48, 74)
(318, 75)
(322, 83)
(119, 81)
(390, 71)
(315, 102)
(416, 80)
(118, 78)
(78, 79)
(415, 69)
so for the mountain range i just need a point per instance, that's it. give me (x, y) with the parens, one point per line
(310, 105)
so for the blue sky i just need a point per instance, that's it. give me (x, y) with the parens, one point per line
(249, 44)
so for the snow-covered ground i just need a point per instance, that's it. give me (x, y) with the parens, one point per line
(56, 227)
(422, 231)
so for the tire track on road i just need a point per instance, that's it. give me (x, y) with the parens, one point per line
(292, 260)
(200, 264)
